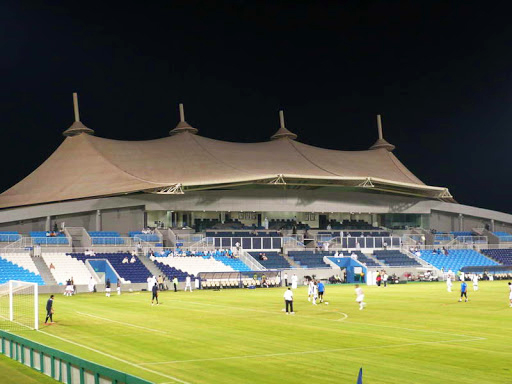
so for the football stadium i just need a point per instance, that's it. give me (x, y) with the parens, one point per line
(192, 260)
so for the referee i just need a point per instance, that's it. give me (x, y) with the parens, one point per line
(49, 310)
(155, 293)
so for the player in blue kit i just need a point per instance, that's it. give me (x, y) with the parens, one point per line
(463, 291)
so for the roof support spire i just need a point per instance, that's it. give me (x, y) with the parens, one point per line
(379, 127)
(77, 127)
(75, 106)
(182, 126)
(182, 113)
(282, 131)
(381, 143)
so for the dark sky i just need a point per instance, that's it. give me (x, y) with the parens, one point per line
(440, 74)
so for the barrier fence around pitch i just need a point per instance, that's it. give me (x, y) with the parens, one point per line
(59, 365)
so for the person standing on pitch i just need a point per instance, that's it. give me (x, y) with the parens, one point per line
(385, 279)
(311, 289)
(155, 294)
(295, 280)
(288, 301)
(510, 293)
(321, 290)
(107, 288)
(188, 284)
(463, 291)
(475, 282)
(449, 282)
(315, 292)
(286, 279)
(118, 287)
(91, 285)
(175, 283)
(360, 297)
(49, 310)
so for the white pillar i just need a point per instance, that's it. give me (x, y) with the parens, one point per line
(48, 225)
(36, 307)
(98, 220)
(461, 222)
(492, 225)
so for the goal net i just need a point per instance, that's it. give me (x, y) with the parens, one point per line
(19, 306)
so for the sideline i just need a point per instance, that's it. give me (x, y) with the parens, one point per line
(175, 379)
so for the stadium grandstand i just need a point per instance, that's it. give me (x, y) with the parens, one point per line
(185, 204)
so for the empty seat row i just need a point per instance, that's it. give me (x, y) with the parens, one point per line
(12, 271)
(456, 259)
(395, 258)
(134, 272)
(502, 256)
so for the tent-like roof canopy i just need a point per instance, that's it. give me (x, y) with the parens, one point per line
(86, 166)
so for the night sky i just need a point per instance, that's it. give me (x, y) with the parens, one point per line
(440, 75)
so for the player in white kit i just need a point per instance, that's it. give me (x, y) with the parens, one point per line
(360, 297)
(475, 282)
(188, 284)
(315, 292)
(449, 282)
(294, 281)
(510, 293)
(311, 289)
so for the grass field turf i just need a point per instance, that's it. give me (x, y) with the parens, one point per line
(411, 333)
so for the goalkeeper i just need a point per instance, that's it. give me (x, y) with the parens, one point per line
(49, 310)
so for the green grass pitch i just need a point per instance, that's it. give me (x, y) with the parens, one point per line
(410, 333)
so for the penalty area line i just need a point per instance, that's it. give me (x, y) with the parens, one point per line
(312, 352)
(175, 379)
(123, 323)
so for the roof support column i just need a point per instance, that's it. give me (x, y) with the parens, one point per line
(192, 223)
(492, 225)
(98, 220)
(48, 224)
(222, 217)
(461, 222)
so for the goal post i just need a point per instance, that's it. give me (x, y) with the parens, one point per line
(19, 305)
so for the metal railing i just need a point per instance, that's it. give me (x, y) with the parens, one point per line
(59, 365)
(256, 243)
(388, 242)
(250, 261)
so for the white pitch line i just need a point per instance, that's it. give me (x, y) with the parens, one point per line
(312, 352)
(123, 323)
(116, 358)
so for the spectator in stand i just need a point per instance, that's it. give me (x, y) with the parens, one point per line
(133, 259)
(52, 266)
(160, 283)
(125, 260)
